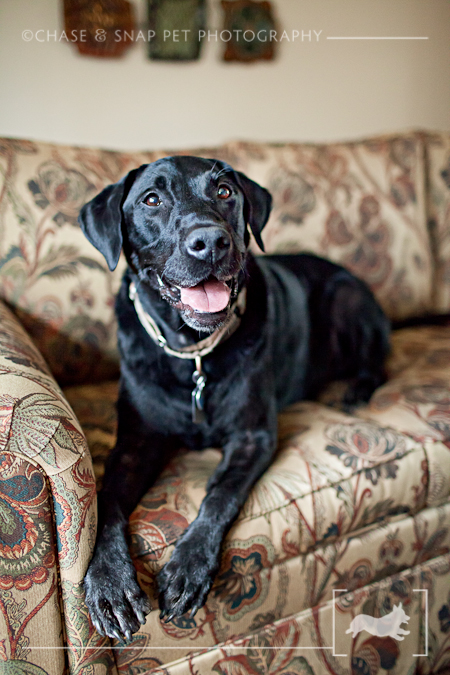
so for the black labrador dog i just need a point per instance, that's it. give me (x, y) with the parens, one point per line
(213, 343)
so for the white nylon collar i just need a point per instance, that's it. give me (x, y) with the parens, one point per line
(199, 349)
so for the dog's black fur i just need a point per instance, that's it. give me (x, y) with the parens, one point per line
(307, 322)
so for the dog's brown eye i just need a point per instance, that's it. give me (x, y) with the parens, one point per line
(223, 192)
(152, 199)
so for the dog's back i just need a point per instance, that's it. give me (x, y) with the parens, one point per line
(348, 332)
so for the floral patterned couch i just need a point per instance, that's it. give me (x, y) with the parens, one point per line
(354, 514)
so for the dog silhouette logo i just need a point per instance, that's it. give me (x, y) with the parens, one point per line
(386, 625)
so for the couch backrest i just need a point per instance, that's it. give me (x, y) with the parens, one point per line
(362, 204)
(437, 158)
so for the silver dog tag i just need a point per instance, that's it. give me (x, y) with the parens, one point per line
(197, 397)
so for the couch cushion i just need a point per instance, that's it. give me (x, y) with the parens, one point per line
(386, 447)
(361, 204)
(58, 283)
(413, 406)
(353, 471)
(416, 399)
(318, 641)
(438, 164)
(348, 500)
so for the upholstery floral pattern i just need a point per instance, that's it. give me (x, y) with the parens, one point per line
(349, 502)
(417, 400)
(304, 644)
(361, 204)
(27, 547)
(58, 282)
(47, 516)
(28, 579)
(438, 162)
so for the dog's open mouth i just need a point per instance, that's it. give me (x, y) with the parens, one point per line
(210, 296)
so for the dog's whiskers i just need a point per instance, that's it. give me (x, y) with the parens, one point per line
(222, 171)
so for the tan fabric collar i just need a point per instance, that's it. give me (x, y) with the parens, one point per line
(199, 349)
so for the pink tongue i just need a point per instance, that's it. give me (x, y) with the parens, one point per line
(209, 296)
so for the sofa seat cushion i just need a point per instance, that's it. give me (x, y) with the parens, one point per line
(416, 398)
(412, 408)
(333, 474)
(349, 499)
(340, 471)
(318, 640)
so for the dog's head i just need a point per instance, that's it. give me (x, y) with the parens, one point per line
(398, 609)
(182, 222)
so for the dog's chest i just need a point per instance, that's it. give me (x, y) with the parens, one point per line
(162, 391)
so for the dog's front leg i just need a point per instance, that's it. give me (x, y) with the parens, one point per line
(116, 603)
(186, 579)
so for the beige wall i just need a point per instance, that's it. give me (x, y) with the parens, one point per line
(314, 91)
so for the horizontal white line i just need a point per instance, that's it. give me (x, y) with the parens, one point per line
(378, 38)
(130, 647)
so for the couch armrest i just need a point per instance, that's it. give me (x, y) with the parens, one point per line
(47, 487)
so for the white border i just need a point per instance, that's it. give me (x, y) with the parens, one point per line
(377, 38)
(424, 590)
(332, 648)
(336, 590)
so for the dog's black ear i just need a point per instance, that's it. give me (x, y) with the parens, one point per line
(258, 202)
(101, 219)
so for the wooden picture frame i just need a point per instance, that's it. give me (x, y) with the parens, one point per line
(183, 19)
(242, 19)
(102, 28)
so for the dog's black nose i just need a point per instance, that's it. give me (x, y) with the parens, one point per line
(208, 243)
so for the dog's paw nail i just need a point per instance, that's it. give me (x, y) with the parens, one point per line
(98, 626)
(169, 618)
(128, 634)
(116, 634)
(140, 616)
(193, 611)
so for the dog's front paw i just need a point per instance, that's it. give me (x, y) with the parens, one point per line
(184, 582)
(116, 602)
